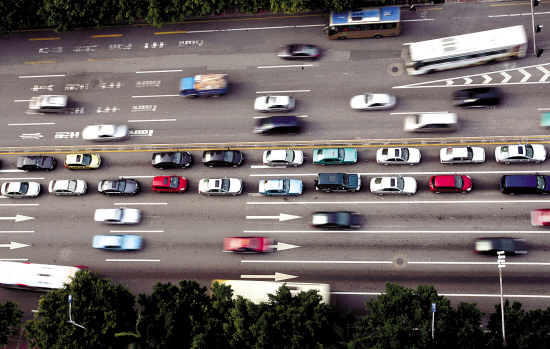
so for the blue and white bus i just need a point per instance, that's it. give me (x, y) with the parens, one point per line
(364, 23)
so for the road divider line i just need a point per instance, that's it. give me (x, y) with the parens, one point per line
(420, 112)
(140, 203)
(285, 66)
(33, 124)
(44, 39)
(408, 202)
(132, 260)
(289, 91)
(136, 176)
(136, 231)
(106, 36)
(21, 100)
(430, 173)
(155, 96)
(396, 232)
(15, 259)
(39, 62)
(447, 294)
(159, 71)
(16, 231)
(41, 76)
(19, 204)
(152, 120)
(391, 262)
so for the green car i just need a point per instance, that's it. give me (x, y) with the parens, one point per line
(334, 156)
(82, 161)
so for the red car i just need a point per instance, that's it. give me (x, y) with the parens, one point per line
(540, 218)
(450, 184)
(169, 184)
(248, 244)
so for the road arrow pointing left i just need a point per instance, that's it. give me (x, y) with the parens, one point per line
(14, 245)
(17, 218)
(280, 217)
(277, 276)
(281, 246)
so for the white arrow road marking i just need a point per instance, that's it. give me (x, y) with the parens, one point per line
(17, 218)
(467, 81)
(546, 73)
(282, 246)
(281, 217)
(449, 82)
(524, 72)
(14, 245)
(277, 276)
(506, 77)
(487, 78)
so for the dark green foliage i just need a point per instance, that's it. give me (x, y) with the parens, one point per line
(68, 14)
(10, 315)
(103, 308)
(18, 14)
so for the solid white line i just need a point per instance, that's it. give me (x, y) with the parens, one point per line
(19, 204)
(13, 171)
(33, 124)
(431, 173)
(40, 76)
(140, 203)
(416, 20)
(154, 96)
(136, 231)
(152, 120)
(158, 71)
(262, 166)
(543, 109)
(136, 176)
(448, 294)
(397, 231)
(15, 259)
(16, 232)
(396, 202)
(20, 179)
(285, 66)
(390, 262)
(290, 91)
(21, 100)
(132, 260)
(420, 112)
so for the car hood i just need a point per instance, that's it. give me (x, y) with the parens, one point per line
(260, 103)
(539, 152)
(350, 154)
(131, 186)
(358, 102)
(131, 216)
(81, 186)
(410, 123)
(132, 242)
(414, 155)
(34, 189)
(48, 162)
(235, 185)
(410, 185)
(298, 157)
(295, 186)
(478, 154)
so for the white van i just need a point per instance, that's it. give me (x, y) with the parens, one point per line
(441, 122)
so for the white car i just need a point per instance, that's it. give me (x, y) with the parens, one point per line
(220, 186)
(120, 215)
(20, 189)
(68, 187)
(516, 153)
(49, 104)
(274, 104)
(393, 185)
(398, 156)
(283, 157)
(462, 155)
(374, 101)
(105, 132)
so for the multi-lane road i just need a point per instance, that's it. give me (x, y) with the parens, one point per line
(130, 75)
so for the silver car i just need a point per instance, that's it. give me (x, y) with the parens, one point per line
(393, 185)
(283, 157)
(373, 101)
(462, 155)
(68, 187)
(220, 186)
(516, 153)
(105, 132)
(398, 156)
(274, 104)
(120, 215)
(49, 104)
(20, 189)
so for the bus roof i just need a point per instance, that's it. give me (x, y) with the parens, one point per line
(366, 15)
(35, 276)
(472, 42)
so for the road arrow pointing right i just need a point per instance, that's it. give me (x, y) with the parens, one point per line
(14, 245)
(281, 217)
(17, 218)
(277, 276)
(282, 246)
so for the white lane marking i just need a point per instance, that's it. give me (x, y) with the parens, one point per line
(397, 231)
(289, 91)
(152, 120)
(140, 203)
(33, 124)
(517, 14)
(14, 171)
(19, 204)
(21, 100)
(40, 76)
(543, 109)
(262, 166)
(417, 20)
(20, 179)
(15, 259)
(285, 66)
(136, 176)
(396, 202)
(391, 262)
(421, 112)
(158, 71)
(132, 260)
(16, 231)
(449, 294)
(136, 231)
(155, 96)
(402, 173)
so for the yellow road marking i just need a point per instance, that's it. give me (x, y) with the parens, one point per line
(175, 32)
(39, 39)
(106, 36)
(40, 62)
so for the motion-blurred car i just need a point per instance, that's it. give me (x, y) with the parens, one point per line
(393, 185)
(20, 189)
(440, 122)
(121, 215)
(68, 187)
(169, 184)
(336, 220)
(82, 161)
(373, 101)
(280, 124)
(181, 159)
(274, 104)
(218, 158)
(540, 218)
(300, 51)
(477, 97)
(117, 242)
(493, 245)
(450, 184)
(248, 244)
(220, 186)
(50, 104)
(118, 187)
(334, 156)
(462, 155)
(35, 163)
(283, 157)
(516, 153)
(398, 156)
(287, 186)
(105, 132)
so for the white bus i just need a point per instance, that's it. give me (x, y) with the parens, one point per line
(465, 50)
(256, 291)
(35, 277)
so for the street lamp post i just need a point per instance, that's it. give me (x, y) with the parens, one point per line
(500, 261)
(70, 308)
(536, 28)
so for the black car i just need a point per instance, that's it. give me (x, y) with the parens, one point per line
(336, 220)
(118, 187)
(181, 159)
(493, 245)
(33, 163)
(227, 157)
(477, 97)
(300, 51)
(278, 125)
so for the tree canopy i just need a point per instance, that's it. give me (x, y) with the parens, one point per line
(10, 315)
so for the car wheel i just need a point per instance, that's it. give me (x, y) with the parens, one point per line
(342, 38)
(507, 163)
(322, 164)
(377, 36)
(409, 194)
(235, 165)
(436, 192)
(537, 162)
(160, 168)
(463, 192)
(353, 190)
(412, 164)
(234, 194)
(207, 194)
(513, 194)
(327, 190)
(380, 194)
(210, 166)
(386, 164)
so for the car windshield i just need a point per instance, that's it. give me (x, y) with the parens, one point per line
(541, 182)
(341, 152)
(400, 183)
(404, 154)
(174, 182)
(505, 245)
(225, 184)
(121, 186)
(229, 156)
(470, 153)
(24, 187)
(529, 150)
(459, 182)
(286, 185)
(343, 219)
(290, 155)
(504, 150)
(177, 158)
(72, 185)
(86, 159)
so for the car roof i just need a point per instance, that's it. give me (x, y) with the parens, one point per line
(53, 100)
(327, 153)
(61, 184)
(378, 98)
(278, 154)
(445, 181)
(274, 184)
(162, 180)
